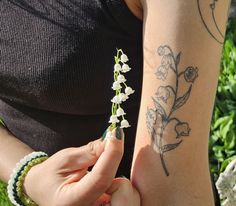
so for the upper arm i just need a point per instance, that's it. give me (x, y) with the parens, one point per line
(182, 43)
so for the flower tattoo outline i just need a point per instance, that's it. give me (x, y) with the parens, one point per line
(158, 118)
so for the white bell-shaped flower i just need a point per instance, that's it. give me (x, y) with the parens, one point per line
(120, 112)
(116, 100)
(129, 90)
(121, 78)
(117, 67)
(122, 97)
(125, 68)
(113, 119)
(124, 124)
(124, 58)
(116, 85)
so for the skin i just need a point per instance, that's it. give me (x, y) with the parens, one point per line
(64, 180)
(178, 24)
(135, 7)
(189, 179)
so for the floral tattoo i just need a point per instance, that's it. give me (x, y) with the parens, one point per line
(166, 101)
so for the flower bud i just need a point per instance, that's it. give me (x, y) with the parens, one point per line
(190, 74)
(182, 129)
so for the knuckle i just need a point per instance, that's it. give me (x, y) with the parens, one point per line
(126, 181)
(66, 155)
(92, 149)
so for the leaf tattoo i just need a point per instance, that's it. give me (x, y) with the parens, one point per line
(182, 100)
(158, 118)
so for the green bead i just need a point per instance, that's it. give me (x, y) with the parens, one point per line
(21, 178)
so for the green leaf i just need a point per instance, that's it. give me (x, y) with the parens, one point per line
(1, 122)
(226, 162)
(225, 128)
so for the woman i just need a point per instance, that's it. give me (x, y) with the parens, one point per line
(56, 74)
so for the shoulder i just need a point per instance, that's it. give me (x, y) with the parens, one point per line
(135, 7)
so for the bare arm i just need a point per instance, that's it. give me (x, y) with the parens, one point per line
(11, 151)
(182, 43)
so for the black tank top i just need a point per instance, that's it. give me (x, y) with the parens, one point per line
(56, 70)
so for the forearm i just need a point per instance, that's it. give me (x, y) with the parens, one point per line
(170, 165)
(11, 151)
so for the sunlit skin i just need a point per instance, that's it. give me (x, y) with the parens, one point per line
(177, 168)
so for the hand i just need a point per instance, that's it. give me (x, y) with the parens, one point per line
(123, 193)
(64, 180)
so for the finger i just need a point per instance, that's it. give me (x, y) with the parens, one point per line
(95, 183)
(73, 159)
(123, 193)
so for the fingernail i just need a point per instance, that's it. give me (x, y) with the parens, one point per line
(104, 135)
(119, 133)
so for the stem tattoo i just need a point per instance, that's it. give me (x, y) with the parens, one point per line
(211, 25)
(166, 101)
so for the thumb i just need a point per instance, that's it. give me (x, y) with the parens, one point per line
(96, 182)
(123, 193)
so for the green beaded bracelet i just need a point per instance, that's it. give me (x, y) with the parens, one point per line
(25, 199)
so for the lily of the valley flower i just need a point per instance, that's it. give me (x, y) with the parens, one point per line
(124, 58)
(121, 78)
(124, 124)
(122, 92)
(116, 100)
(122, 97)
(120, 112)
(125, 68)
(129, 90)
(114, 119)
(116, 85)
(117, 67)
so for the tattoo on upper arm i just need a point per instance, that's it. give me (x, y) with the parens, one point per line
(212, 27)
(167, 100)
